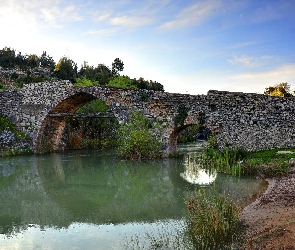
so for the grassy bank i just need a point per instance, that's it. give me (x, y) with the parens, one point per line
(237, 162)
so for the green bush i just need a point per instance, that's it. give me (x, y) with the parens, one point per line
(212, 221)
(136, 140)
(123, 82)
(2, 86)
(84, 82)
(5, 124)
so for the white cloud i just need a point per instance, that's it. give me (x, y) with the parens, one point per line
(193, 15)
(257, 82)
(241, 45)
(251, 61)
(50, 13)
(131, 21)
(101, 32)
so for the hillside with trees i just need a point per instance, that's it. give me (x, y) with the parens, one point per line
(17, 69)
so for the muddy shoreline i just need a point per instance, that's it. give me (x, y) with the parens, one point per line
(270, 220)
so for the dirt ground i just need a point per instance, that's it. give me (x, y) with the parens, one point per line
(270, 220)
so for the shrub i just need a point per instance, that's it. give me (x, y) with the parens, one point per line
(84, 82)
(122, 81)
(2, 86)
(6, 124)
(136, 140)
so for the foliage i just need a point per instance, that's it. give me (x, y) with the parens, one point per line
(136, 140)
(5, 124)
(226, 161)
(281, 89)
(266, 163)
(43, 68)
(29, 78)
(7, 57)
(213, 221)
(66, 69)
(143, 97)
(96, 132)
(181, 116)
(188, 134)
(84, 82)
(94, 106)
(15, 151)
(100, 74)
(212, 142)
(122, 81)
(141, 83)
(117, 66)
(2, 86)
(46, 61)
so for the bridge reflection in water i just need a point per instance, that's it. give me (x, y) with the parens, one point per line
(86, 200)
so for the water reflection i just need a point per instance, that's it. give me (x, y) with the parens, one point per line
(53, 201)
(194, 173)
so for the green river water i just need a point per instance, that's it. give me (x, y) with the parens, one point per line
(90, 199)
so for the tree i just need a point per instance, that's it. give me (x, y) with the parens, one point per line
(32, 61)
(100, 74)
(135, 139)
(281, 89)
(66, 69)
(141, 83)
(7, 57)
(46, 61)
(117, 66)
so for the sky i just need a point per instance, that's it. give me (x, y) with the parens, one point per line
(189, 46)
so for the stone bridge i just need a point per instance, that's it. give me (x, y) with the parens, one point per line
(241, 120)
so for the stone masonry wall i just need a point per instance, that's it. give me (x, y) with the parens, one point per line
(249, 121)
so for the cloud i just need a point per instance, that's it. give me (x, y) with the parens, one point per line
(251, 61)
(241, 45)
(131, 21)
(257, 82)
(46, 13)
(193, 15)
(102, 32)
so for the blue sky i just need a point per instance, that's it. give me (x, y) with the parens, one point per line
(188, 46)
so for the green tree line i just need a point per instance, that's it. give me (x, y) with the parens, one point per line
(36, 68)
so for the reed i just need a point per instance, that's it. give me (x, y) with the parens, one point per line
(226, 161)
(212, 221)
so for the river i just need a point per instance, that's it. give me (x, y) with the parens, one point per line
(90, 199)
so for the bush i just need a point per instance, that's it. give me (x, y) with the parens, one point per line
(84, 82)
(5, 124)
(122, 81)
(212, 220)
(136, 140)
(2, 86)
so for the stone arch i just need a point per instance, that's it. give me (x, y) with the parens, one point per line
(51, 131)
(172, 143)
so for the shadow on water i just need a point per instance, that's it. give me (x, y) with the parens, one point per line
(91, 198)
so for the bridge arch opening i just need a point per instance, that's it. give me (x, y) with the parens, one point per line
(199, 132)
(50, 134)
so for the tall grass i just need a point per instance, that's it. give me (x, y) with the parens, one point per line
(226, 161)
(212, 221)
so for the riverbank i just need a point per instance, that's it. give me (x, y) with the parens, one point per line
(270, 220)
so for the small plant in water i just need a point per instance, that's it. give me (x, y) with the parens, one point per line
(212, 221)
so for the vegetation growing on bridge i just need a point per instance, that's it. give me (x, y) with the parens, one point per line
(12, 141)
